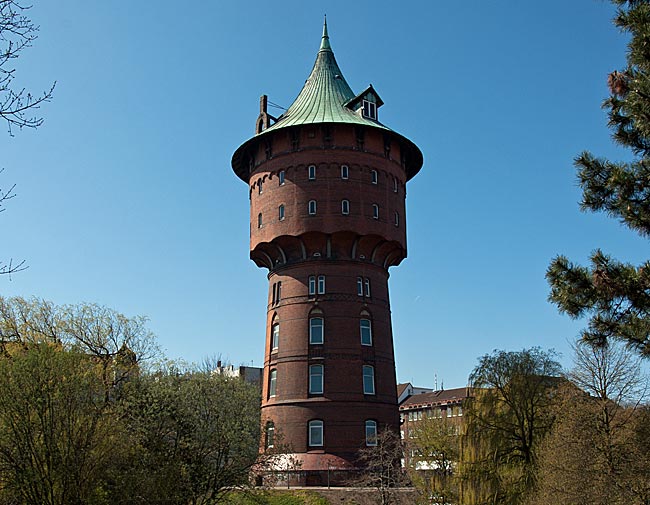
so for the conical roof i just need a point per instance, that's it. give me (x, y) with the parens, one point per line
(324, 94)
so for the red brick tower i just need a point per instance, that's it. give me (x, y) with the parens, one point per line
(327, 186)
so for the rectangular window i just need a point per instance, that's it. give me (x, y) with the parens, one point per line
(312, 172)
(368, 380)
(273, 379)
(396, 219)
(371, 433)
(316, 433)
(316, 330)
(278, 294)
(259, 220)
(312, 207)
(281, 212)
(369, 109)
(449, 411)
(270, 434)
(345, 171)
(395, 186)
(275, 336)
(367, 284)
(312, 285)
(360, 286)
(259, 187)
(281, 178)
(366, 332)
(375, 211)
(316, 379)
(373, 176)
(321, 284)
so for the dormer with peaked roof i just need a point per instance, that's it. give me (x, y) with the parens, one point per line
(366, 103)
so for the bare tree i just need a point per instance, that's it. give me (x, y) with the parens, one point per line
(10, 266)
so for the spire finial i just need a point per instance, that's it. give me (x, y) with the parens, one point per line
(325, 41)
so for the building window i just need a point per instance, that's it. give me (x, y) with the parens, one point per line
(312, 285)
(371, 432)
(366, 332)
(345, 172)
(321, 284)
(368, 380)
(273, 379)
(395, 186)
(345, 207)
(259, 220)
(281, 178)
(275, 336)
(360, 286)
(259, 187)
(369, 109)
(316, 330)
(269, 434)
(449, 411)
(316, 379)
(281, 212)
(396, 218)
(373, 176)
(312, 172)
(316, 433)
(375, 211)
(312, 207)
(367, 284)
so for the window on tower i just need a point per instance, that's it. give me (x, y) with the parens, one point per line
(259, 220)
(316, 433)
(311, 207)
(373, 176)
(269, 434)
(360, 286)
(273, 380)
(345, 207)
(275, 336)
(396, 218)
(321, 284)
(345, 171)
(316, 330)
(312, 172)
(367, 285)
(369, 110)
(375, 211)
(281, 178)
(316, 379)
(312, 285)
(368, 380)
(365, 327)
(371, 432)
(281, 212)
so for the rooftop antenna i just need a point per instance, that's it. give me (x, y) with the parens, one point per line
(435, 382)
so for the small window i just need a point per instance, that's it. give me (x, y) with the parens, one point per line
(281, 178)
(316, 433)
(321, 284)
(259, 220)
(281, 212)
(275, 336)
(312, 285)
(259, 187)
(368, 380)
(278, 294)
(395, 186)
(375, 211)
(360, 286)
(312, 207)
(273, 379)
(345, 172)
(373, 176)
(316, 330)
(369, 109)
(366, 332)
(396, 218)
(312, 172)
(367, 284)
(449, 411)
(345, 207)
(371, 433)
(270, 434)
(316, 379)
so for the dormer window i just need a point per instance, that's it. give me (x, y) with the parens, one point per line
(369, 110)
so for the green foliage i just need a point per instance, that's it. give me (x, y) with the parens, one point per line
(505, 420)
(616, 296)
(274, 498)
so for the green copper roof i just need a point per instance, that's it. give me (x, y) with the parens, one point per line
(323, 96)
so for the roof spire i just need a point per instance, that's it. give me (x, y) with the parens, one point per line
(325, 41)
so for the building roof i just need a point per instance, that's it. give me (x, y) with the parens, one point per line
(326, 97)
(440, 397)
(401, 388)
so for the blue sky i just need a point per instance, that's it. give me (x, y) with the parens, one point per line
(126, 196)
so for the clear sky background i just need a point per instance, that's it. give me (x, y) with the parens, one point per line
(126, 196)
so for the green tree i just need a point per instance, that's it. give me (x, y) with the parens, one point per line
(435, 451)
(57, 435)
(615, 295)
(504, 421)
(598, 451)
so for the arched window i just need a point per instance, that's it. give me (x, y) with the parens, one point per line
(259, 220)
(312, 172)
(259, 187)
(396, 218)
(275, 335)
(312, 285)
(373, 176)
(366, 331)
(269, 432)
(345, 171)
(371, 432)
(273, 380)
(316, 433)
(316, 379)
(281, 212)
(316, 330)
(281, 178)
(312, 207)
(360, 286)
(375, 211)
(321, 284)
(367, 285)
(345, 207)
(368, 380)
(395, 185)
